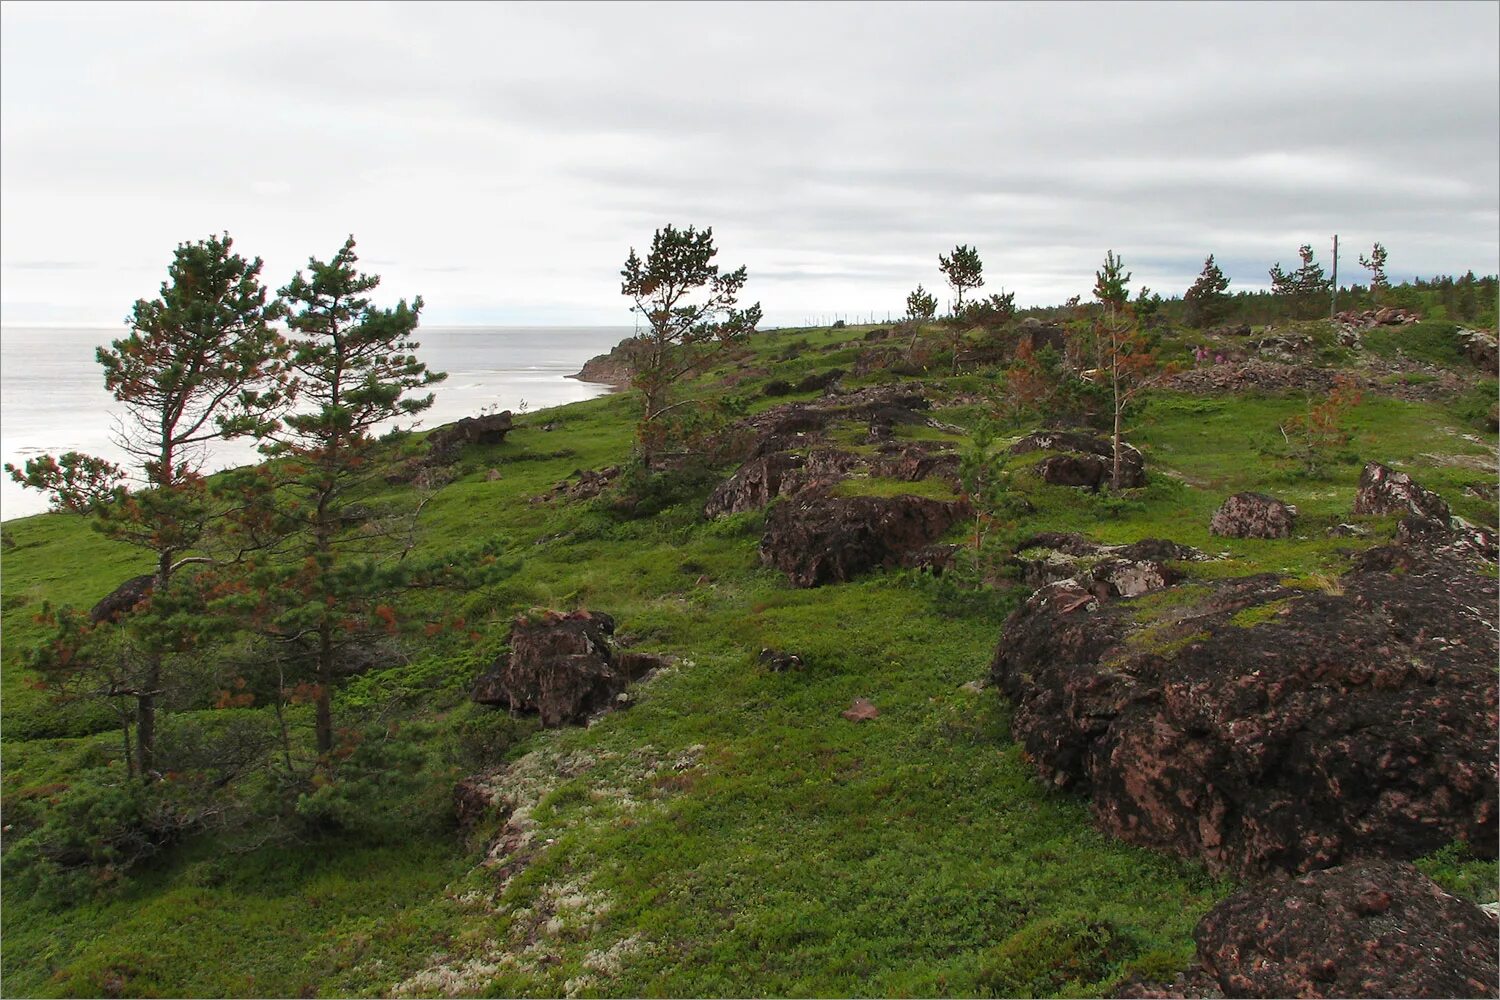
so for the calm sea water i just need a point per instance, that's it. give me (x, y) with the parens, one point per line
(52, 397)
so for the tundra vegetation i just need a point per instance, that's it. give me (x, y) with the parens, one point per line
(291, 828)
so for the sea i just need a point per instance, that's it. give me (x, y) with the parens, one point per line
(53, 400)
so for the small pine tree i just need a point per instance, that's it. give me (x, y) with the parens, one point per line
(679, 266)
(1207, 302)
(1305, 287)
(921, 306)
(964, 270)
(1375, 264)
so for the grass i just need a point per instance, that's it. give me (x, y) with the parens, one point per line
(730, 833)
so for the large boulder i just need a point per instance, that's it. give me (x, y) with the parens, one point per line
(1260, 727)
(1083, 459)
(445, 443)
(1480, 347)
(1372, 929)
(562, 666)
(123, 599)
(1254, 515)
(833, 539)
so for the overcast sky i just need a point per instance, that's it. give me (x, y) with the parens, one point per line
(500, 160)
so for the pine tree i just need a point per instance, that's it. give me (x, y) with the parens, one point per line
(200, 364)
(1375, 263)
(921, 306)
(1207, 302)
(1304, 287)
(327, 575)
(679, 266)
(964, 270)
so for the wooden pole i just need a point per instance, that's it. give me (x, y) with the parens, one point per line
(1333, 305)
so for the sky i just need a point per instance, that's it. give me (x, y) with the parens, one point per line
(501, 160)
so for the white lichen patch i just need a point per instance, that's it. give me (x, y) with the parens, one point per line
(461, 979)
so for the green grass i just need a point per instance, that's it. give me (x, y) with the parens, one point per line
(731, 833)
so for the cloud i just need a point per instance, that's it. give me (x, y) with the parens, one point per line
(500, 159)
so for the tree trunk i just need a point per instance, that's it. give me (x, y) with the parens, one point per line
(325, 691)
(145, 721)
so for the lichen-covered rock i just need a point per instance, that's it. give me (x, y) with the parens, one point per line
(1053, 556)
(1084, 460)
(1371, 929)
(561, 666)
(1254, 515)
(1480, 347)
(1259, 727)
(123, 599)
(1428, 520)
(833, 539)
(1383, 490)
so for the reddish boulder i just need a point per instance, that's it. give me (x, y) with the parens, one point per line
(1383, 490)
(833, 539)
(1371, 929)
(1254, 515)
(561, 666)
(1312, 728)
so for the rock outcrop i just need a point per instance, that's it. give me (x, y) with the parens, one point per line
(1374, 929)
(562, 666)
(1262, 728)
(123, 599)
(614, 368)
(1254, 515)
(1084, 461)
(445, 443)
(1428, 520)
(583, 484)
(834, 539)
(1121, 570)
(1481, 348)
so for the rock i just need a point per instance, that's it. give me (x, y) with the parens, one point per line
(1428, 520)
(820, 381)
(1257, 375)
(444, 444)
(778, 387)
(1084, 471)
(614, 368)
(1480, 347)
(583, 484)
(1311, 728)
(1052, 556)
(1253, 515)
(561, 666)
(1037, 334)
(1367, 319)
(779, 660)
(123, 599)
(833, 539)
(473, 798)
(1383, 490)
(1086, 460)
(1240, 330)
(1347, 531)
(753, 485)
(861, 710)
(1370, 929)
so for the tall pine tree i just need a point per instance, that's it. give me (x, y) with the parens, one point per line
(323, 583)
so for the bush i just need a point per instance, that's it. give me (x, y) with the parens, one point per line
(87, 836)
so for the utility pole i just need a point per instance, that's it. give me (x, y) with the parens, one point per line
(1333, 306)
